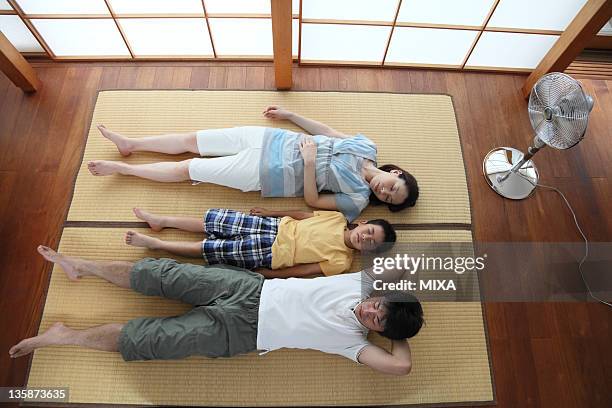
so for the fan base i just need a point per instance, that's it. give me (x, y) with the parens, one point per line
(521, 184)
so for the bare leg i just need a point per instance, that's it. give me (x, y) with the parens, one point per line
(189, 249)
(105, 338)
(165, 172)
(116, 272)
(159, 222)
(169, 144)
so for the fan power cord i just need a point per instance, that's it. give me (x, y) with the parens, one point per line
(586, 242)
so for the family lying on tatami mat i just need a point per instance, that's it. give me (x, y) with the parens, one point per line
(239, 311)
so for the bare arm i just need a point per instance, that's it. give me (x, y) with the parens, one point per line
(315, 128)
(296, 215)
(396, 362)
(297, 271)
(311, 193)
(311, 126)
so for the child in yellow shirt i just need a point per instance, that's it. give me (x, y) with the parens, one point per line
(277, 244)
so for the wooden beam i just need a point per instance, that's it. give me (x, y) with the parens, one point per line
(480, 31)
(120, 28)
(397, 10)
(281, 36)
(30, 26)
(16, 68)
(587, 23)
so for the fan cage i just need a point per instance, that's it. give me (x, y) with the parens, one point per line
(558, 110)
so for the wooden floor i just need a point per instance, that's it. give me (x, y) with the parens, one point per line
(544, 355)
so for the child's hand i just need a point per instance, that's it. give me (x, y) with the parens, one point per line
(261, 212)
(308, 148)
(275, 112)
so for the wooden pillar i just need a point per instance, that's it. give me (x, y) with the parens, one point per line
(16, 68)
(281, 36)
(585, 26)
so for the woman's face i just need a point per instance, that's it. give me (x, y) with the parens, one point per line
(389, 187)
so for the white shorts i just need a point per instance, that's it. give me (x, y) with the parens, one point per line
(240, 151)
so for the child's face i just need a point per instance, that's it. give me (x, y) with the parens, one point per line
(366, 237)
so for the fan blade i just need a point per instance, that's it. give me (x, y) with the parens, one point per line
(556, 86)
(566, 132)
(536, 117)
(534, 98)
(542, 129)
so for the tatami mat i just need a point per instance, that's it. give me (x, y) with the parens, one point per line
(416, 132)
(450, 354)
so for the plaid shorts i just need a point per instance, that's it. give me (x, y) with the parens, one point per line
(239, 239)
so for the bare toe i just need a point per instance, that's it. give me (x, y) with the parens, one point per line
(24, 347)
(102, 167)
(68, 264)
(47, 253)
(123, 143)
(20, 349)
(92, 168)
(140, 240)
(138, 213)
(151, 219)
(52, 335)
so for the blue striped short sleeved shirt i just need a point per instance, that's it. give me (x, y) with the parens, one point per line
(338, 168)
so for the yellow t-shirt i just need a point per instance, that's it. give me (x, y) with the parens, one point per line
(317, 239)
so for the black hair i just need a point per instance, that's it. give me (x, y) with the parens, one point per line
(390, 236)
(404, 316)
(411, 185)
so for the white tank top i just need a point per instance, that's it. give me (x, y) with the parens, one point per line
(313, 314)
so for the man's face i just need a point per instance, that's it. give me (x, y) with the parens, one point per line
(372, 313)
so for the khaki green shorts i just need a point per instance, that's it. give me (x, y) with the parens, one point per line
(222, 323)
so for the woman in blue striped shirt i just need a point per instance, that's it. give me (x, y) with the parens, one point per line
(331, 170)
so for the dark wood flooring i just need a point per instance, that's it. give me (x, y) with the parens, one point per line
(544, 354)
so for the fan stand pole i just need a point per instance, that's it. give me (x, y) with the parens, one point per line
(537, 145)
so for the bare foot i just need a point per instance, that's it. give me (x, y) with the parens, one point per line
(124, 145)
(154, 221)
(103, 167)
(140, 240)
(69, 265)
(55, 334)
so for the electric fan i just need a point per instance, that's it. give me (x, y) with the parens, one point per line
(559, 111)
